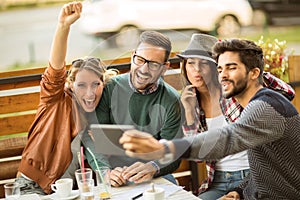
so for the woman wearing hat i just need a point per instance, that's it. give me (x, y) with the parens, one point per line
(201, 100)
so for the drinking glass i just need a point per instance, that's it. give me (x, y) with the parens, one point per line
(12, 191)
(85, 182)
(103, 188)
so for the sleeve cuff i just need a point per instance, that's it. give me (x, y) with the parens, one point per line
(56, 73)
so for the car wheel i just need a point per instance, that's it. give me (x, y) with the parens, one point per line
(127, 37)
(259, 18)
(228, 26)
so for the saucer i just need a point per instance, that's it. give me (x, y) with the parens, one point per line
(73, 195)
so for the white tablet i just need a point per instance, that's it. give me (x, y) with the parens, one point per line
(107, 138)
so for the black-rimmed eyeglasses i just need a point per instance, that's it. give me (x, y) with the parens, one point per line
(140, 61)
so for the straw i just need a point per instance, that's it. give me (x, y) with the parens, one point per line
(101, 177)
(82, 163)
(79, 159)
(85, 187)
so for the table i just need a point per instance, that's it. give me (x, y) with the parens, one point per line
(180, 194)
(127, 192)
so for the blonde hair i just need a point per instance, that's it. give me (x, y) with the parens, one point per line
(91, 64)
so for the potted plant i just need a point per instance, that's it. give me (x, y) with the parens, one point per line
(276, 57)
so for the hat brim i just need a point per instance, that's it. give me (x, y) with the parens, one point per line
(196, 56)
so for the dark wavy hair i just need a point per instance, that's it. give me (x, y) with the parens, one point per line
(250, 54)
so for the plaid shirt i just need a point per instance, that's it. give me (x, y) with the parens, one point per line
(231, 110)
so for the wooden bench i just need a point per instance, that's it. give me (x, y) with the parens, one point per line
(19, 97)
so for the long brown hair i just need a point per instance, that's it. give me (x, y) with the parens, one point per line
(94, 65)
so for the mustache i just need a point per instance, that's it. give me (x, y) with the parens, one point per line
(227, 80)
(144, 74)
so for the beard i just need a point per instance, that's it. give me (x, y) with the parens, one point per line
(238, 88)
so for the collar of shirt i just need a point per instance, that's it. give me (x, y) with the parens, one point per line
(149, 90)
(231, 109)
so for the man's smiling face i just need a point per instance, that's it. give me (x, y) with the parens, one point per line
(142, 77)
(232, 74)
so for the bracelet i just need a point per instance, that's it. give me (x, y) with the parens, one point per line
(156, 167)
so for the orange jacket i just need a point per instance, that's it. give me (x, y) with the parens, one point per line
(47, 153)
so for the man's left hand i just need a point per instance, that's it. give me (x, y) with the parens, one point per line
(139, 172)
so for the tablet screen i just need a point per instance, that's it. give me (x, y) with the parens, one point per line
(107, 138)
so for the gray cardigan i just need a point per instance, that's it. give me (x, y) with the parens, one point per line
(269, 127)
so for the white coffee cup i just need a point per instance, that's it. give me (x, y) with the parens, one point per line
(156, 193)
(63, 187)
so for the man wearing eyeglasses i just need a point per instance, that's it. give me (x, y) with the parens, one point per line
(142, 98)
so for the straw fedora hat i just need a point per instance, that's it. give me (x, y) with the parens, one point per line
(200, 46)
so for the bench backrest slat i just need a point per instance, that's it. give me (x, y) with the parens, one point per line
(15, 124)
(11, 147)
(22, 72)
(19, 102)
(9, 169)
(23, 84)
